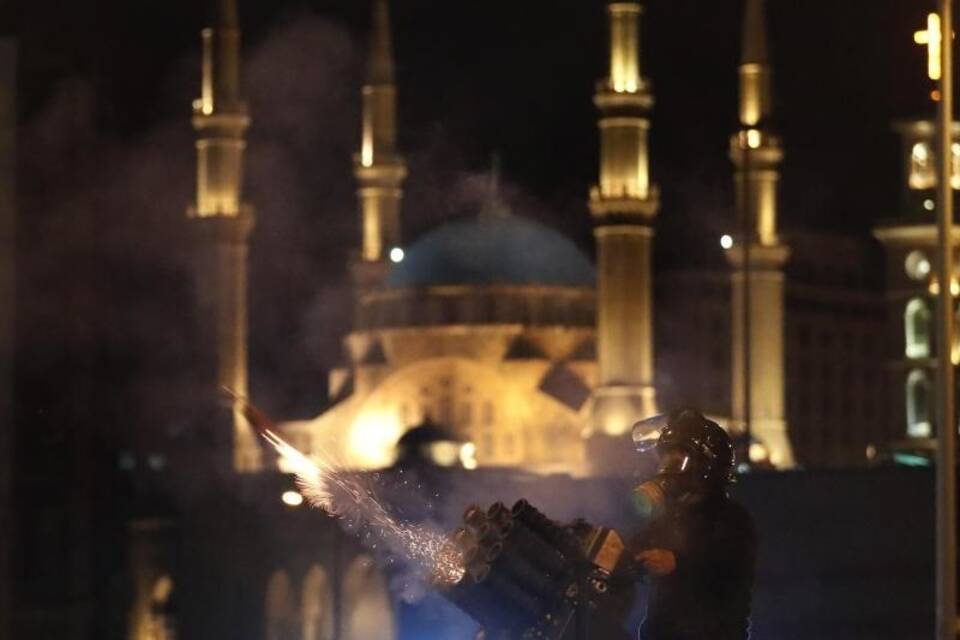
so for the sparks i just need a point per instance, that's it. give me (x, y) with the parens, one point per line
(326, 485)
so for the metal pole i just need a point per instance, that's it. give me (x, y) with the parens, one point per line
(746, 237)
(947, 425)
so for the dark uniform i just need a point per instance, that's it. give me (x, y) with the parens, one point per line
(707, 594)
(707, 597)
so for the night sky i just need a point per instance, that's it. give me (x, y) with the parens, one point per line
(107, 158)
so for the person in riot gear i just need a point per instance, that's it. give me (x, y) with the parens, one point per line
(698, 549)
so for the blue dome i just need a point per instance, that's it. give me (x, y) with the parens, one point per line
(503, 249)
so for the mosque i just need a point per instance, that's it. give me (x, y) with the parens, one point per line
(496, 325)
(500, 328)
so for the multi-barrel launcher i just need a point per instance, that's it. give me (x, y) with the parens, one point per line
(530, 577)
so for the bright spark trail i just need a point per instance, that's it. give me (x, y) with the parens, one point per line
(325, 484)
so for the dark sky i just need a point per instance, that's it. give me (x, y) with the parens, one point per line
(107, 157)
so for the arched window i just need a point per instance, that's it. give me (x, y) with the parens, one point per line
(279, 608)
(916, 322)
(922, 175)
(918, 404)
(466, 414)
(316, 606)
(955, 165)
(487, 413)
(367, 611)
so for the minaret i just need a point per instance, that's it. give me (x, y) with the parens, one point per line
(756, 155)
(378, 168)
(222, 222)
(624, 205)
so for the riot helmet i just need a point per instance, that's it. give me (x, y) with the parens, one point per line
(695, 458)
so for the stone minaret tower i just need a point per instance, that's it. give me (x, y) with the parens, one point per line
(379, 169)
(222, 222)
(624, 205)
(756, 154)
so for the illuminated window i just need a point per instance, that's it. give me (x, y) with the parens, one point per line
(918, 404)
(922, 173)
(486, 445)
(281, 618)
(955, 165)
(488, 413)
(316, 606)
(916, 322)
(508, 444)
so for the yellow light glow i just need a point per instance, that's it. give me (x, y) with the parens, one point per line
(758, 452)
(373, 439)
(934, 287)
(753, 138)
(932, 38)
(366, 149)
(625, 85)
(292, 498)
(468, 456)
(444, 453)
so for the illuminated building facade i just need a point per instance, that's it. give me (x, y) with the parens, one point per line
(909, 241)
(838, 400)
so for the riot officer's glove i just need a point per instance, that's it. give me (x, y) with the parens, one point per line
(657, 562)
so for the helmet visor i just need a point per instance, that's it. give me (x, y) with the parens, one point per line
(646, 433)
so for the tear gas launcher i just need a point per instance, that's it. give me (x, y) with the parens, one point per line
(529, 577)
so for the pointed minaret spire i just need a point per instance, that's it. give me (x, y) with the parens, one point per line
(758, 257)
(378, 168)
(624, 205)
(220, 77)
(222, 222)
(754, 33)
(755, 99)
(380, 62)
